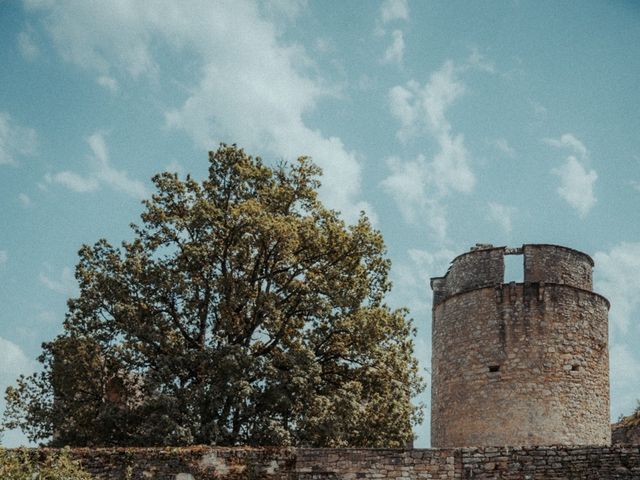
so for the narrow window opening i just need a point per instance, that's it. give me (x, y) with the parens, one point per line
(513, 268)
(575, 368)
(494, 368)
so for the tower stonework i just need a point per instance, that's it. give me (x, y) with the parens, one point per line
(519, 363)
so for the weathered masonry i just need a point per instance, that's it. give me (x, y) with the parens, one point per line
(507, 463)
(519, 363)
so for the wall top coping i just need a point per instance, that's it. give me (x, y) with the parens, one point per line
(274, 449)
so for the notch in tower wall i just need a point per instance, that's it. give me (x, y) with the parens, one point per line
(513, 268)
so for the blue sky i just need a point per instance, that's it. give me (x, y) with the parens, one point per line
(449, 123)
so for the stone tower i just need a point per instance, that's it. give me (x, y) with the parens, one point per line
(519, 363)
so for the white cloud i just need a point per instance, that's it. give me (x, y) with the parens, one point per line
(503, 145)
(25, 200)
(174, 166)
(289, 9)
(576, 182)
(422, 109)
(101, 173)
(15, 140)
(411, 278)
(73, 181)
(28, 48)
(108, 82)
(479, 61)
(250, 87)
(576, 185)
(539, 110)
(502, 215)
(394, 10)
(420, 186)
(569, 141)
(14, 363)
(395, 51)
(624, 365)
(324, 45)
(91, 35)
(616, 277)
(105, 173)
(4, 256)
(65, 284)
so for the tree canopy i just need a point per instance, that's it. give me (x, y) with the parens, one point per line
(241, 312)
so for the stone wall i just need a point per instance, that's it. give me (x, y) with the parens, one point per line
(203, 463)
(626, 430)
(187, 463)
(557, 264)
(321, 464)
(478, 268)
(550, 463)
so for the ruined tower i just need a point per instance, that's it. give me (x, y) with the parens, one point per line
(519, 363)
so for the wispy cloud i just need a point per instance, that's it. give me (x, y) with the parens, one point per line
(105, 173)
(14, 363)
(412, 277)
(73, 181)
(539, 110)
(420, 185)
(25, 200)
(409, 184)
(422, 109)
(478, 61)
(576, 181)
(15, 140)
(391, 10)
(569, 141)
(502, 215)
(616, 277)
(27, 46)
(576, 185)
(108, 82)
(251, 87)
(101, 173)
(503, 146)
(625, 376)
(4, 256)
(64, 284)
(395, 51)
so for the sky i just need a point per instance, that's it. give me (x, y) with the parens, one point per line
(449, 123)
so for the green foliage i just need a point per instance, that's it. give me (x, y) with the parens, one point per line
(23, 464)
(242, 312)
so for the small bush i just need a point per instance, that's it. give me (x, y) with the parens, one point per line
(23, 464)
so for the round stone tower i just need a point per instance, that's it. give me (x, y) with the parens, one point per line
(519, 363)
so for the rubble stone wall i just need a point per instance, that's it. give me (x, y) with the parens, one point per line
(471, 270)
(557, 264)
(508, 463)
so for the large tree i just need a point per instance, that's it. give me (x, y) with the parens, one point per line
(242, 312)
